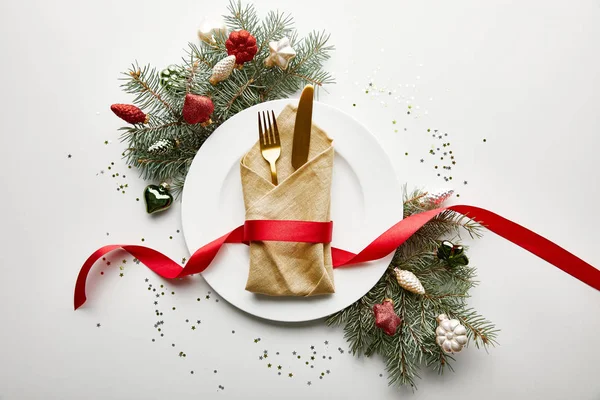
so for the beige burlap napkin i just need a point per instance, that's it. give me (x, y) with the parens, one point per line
(284, 268)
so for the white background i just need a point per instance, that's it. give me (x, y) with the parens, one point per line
(523, 75)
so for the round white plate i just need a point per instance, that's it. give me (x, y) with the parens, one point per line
(366, 199)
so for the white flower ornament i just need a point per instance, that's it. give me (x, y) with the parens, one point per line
(451, 336)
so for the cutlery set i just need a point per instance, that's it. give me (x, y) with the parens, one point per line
(270, 142)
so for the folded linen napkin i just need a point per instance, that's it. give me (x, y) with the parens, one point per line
(286, 268)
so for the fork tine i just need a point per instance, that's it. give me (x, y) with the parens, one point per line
(269, 127)
(260, 131)
(276, 131)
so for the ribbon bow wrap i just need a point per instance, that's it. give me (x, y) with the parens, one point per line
(286, 268)
(288, 229)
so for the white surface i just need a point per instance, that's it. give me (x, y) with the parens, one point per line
(362, 205)
(523, 75)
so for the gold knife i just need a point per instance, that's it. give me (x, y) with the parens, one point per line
(302, 128)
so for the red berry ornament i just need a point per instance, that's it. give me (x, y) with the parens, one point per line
(242, 45)
(129, 113)
(197, 109)
(386, 318)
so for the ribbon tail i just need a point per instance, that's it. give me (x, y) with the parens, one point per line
(534, 243)
(157, 262)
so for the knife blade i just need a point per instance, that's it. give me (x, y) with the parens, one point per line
(302, 128)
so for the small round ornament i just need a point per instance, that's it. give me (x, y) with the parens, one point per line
(450, 335)
(407, 280)
(157, 198)
(437, 197)
(129, 113)
(452, 254)
(163, 146)
(386, 318)
(197, 109)
(211, 27)
(171, 76)
(242, 45)
(222, 70)
(280, 53)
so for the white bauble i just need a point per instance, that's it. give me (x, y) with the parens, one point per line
(450, 335)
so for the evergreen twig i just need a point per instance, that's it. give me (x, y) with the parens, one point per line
(447, 290)
(251, 85)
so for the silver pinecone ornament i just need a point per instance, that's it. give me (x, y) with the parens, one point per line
(162, 146)
(436, 198)
(409, 281)
(222, 70)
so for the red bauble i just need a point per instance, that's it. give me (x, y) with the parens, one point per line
(386, 318)
(242, 45)
(197, 109)
(129, 113)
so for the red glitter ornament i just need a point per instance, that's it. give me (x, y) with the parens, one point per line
(386, 318)
(197, 109)
(129, 113)
(242, 45)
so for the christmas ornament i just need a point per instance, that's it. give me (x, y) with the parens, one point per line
(386, 318)
(222, 70)
(409, 281)
(452, 253)
(129, 113)
(197, 109)
(163, 146)
(209, 28)
(170, 76)
(280, 53)
(437, 198)
(450, 335)
(157, 198)
(242, 45)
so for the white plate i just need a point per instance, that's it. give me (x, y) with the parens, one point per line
(366, 200)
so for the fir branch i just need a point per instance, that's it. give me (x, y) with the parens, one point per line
(244, 88)
(145, 83)
(447, 290)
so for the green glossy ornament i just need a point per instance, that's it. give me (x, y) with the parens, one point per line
(171, 77)
(452, 253)
(157, 198)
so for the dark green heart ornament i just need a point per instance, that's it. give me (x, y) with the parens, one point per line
(157, 198)
(453, 254)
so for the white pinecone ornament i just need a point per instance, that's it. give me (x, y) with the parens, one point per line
(222, 70)
(409, 281)
(450, 335)
(162, 146)
(436, 198)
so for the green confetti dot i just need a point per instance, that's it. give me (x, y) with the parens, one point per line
(354, 105)
(106, 142)
(173, 308)
(428, 130)
(405, 154)
(129, 166)
(137, 199)
(143, 240)
(484, 140)
(170, 237)
(409, 106)
(394, 122)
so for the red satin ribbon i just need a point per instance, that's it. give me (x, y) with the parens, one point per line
(320, 232)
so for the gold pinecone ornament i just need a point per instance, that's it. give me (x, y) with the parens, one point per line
(222, 70)
(409, 281)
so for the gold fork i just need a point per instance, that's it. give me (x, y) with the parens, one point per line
(270, 144)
